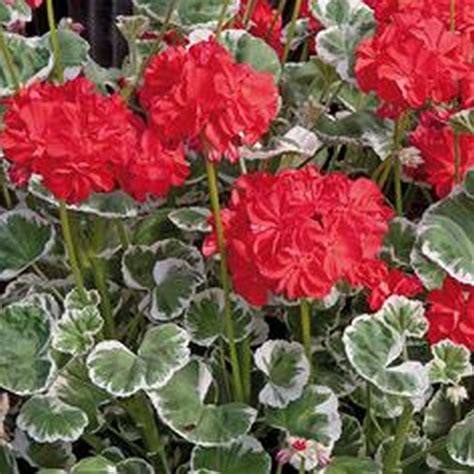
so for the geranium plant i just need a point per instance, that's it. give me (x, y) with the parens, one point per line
(248, 250)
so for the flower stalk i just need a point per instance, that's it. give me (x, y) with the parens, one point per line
(221, 21)
(225, 280)
(305, 313)
(70, 248)
(392, 460)
(277, 14)
(58, 63)
(9, 63)
(292, 29)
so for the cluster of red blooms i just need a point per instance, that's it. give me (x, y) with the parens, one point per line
(298, 233)
(201, 94)
(451, 313)
(422, 55)
(81, 142)
(435, 139)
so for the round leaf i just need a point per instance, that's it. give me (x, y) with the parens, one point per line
(313, 416)
(25, 364)
(205, 319)
(461, 441)
(399, 242)
(176, 283)
(451, 363)
(245, 455)
(373, 344)
(287, 371)
(47, 420)
(180, 404)
(447, 235)
(191, 219)
(24, 238)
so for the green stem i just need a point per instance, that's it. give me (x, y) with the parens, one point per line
(305, 312)
(122, 233)
(247, 368)
(279, 468)
(397, 174)
(10, 64)
(276, 15)
(302, 469)
(70, 248)
(249, 12)
(435, 446)
(229, 324)
(221, 22)
(367, 418)
(6, 193)
(58, 63)
(144, 417)
(291, 29)
(457, 158)
(221, 350)
(100, 277)
(392, 460)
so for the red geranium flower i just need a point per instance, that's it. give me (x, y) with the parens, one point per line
(155, 168)
(71, 136)
(202, 94)
(434, 137)
(411, 61)
(261, 19)
(451, 314)
(299, 233)
(384, 283)
(34, 3)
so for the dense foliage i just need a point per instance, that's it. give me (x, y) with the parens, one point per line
(249, 250)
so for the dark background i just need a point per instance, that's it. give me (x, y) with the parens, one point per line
(107, 46)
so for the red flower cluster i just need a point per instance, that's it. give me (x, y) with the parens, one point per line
(410, 61)
(451, 314)
(201, 94)
(298, 233)
(434, 137)
(384, 282)
(80, 142)
(263, 17)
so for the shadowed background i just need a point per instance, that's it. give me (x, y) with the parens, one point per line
(107, 45)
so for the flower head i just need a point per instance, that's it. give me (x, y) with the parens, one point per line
(71, 136)
(299, 233)
(451, 313)
(202, 94)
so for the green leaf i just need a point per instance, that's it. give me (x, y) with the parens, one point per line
(346, 24)
(32, 59)
(248, 49)
(8, 464)
(348, 465)
(446, 232)
(121, 373)
(25, 364)
(102, 465)
(451, 363)
(243, 456)
(74, 332)
(180, 404)
(461, 441)
(74, 50)
(399, 242)
(352, 440)
(74, 387)
(313, 416)
(189, 13)
(427, 271)
(469, 183)
(191, 219)
(374, 343)
(17, 11)
(205, 321)
(25, 237)
(463, 122)
(439, 416)
(287, 371)
(382, 405)
(176, 283)
(47, 420)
